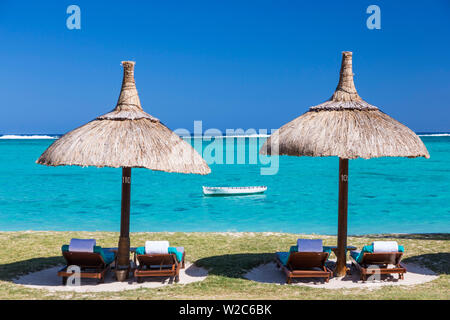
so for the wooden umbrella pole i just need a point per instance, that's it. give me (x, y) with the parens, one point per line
(341, 267)
(123, 254)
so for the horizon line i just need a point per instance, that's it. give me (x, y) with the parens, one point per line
(38, 136)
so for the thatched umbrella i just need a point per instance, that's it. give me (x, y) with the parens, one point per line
(347, 127)
(126, 137)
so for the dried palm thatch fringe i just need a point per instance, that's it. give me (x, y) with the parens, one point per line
(347, 127)
(125, 137)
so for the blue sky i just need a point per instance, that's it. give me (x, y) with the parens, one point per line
(231, 64)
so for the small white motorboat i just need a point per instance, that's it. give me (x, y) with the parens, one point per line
(228, 191)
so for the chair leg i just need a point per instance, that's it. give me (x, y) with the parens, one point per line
(139, 279)
(64, 281)
(288, 280)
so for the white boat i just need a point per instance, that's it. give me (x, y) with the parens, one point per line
(223, 191)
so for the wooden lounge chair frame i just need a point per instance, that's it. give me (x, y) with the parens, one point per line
(158, 265)
(381, 260)
(91, 264)
(301, 264)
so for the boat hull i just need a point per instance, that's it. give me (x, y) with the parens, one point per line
(232, 191)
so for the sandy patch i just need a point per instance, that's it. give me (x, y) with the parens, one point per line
(269, 273)
(47, 279)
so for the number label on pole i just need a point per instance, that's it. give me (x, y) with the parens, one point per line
(126, 180)
(344, 177)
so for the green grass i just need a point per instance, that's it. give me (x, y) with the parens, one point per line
(227, 256)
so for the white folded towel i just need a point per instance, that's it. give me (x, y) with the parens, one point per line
(385, 246)
(82, 245)
(309, 245)
(161, 247)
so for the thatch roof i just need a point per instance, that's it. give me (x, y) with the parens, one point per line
(125, 137)
(347, 127)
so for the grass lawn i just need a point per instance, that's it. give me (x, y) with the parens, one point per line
(227, 256)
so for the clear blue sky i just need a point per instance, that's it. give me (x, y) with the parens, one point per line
(232, 64)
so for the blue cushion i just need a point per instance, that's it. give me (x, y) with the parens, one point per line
(284, 257)
(358, 255)
(177, 253)
(354, 254)
(140, 250)
(171, 250)
(327, 249)
(108, 256)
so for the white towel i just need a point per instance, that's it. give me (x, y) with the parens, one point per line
(82, 245)
(385, 246)
(161, 247)
(309, 245)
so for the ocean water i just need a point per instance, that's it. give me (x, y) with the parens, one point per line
(386, 195)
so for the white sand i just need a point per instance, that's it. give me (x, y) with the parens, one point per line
(269, 273)
(47, 279)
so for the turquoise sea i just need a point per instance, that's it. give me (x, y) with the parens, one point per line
(387, 195)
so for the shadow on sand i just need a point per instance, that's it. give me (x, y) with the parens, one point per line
(438, 262)
(238, 265)
(48, 278)
(270, 274)
(261, 267)
(234, 265)
(12, 270)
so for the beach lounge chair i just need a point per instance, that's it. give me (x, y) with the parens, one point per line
(376, 258)
(306, 260)
(93, 261)
(157, 259)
